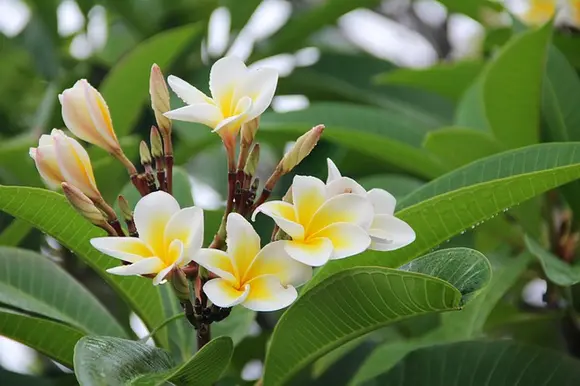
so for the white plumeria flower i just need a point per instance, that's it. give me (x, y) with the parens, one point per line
(238, 95)
(321, 226)
(258, 279)
(387, 232)
(60, 158)
(537, 12)
(86, 115)
(169, 237)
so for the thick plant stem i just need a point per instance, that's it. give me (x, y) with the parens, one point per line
(203, 335)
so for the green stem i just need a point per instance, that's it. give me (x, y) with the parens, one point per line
(163, 324)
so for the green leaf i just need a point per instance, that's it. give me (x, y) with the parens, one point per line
(465, 269)
(386, 135)
(126, 86)
(51, 213)
(557, 270)
(181, 334)
(111, 361)
(448, 80)
(470, 195)
(346, 306)
(203, 369)
(240, 12)
(293, 34)
(11, 378)
(350, 78)
(506, 98)
(484, 363)
(464, 324)
(14, 233)
(53, 339)
(456, 146)
(33, 283)
(472, 8)
(15, 151)
(398, 185)
(237, 325)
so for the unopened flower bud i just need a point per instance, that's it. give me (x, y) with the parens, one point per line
(156, 143)
(83, 205)
(301, 149)
(288, 196)
(124, 208)
(180, 284)
(253, 160)
(249, 130)
(144, 153)
(159, 99)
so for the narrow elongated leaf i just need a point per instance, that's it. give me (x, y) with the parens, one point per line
(465, 269)
(14, 233)
(126, 87)
(467, 196)
(107, 361)
(345, 306)
(51, 213)
(385, 135)
(484, 363)
(508, 93)
(33, 283)
(456, 146)
(54, 339)
(449, 80)
(556, 270)
(203, 369)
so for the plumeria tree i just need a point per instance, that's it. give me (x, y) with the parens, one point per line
(408, 227)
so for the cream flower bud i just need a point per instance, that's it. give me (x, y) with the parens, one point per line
(253, 160)
(159, 99)
(82, 204)
(156, 143)
(60, 158)
(249, 130)
(144, 153)
(86, 115)
(301, 149)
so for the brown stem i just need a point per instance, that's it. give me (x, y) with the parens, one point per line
(169, 173)
(108, 228)
(161, 173)
(203, 335)
(137, 183)
(263, 197)
(126, 162)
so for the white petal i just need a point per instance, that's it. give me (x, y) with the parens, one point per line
(349, 208)
(186, 225)
(174, 255)
(99, 112)
(383, 201)
(225, 76)
(333, 172)
(160, 277)
(231, 125)
(223, 294)
(217, 262)
(142, 267)
(314, 253)
(274, 260)
(76, 115)
(243, 243)
(47, 165)
(389, 233)
(284, 216)
(47, 140)
(267, 294)
(128, 249)
(347, 239)
(204, 113)
(152, 214)
(260, 85)
(186, 92)
(308, 195)
(342, 185)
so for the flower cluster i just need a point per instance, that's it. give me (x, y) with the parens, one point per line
(315, 222)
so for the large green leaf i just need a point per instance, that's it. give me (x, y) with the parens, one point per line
(465, 324)
(456, 146)
(54, 339)
(449, 80)
(126, 87)
(350, 77)
(51, 213)
(507, 95)
(107, 361)
(14, 233)
(203, 369)
(482, 364)
(345, 306)
(473, 8)
(33, 283)
(557, 270)
(470, 195)
(386, 135)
